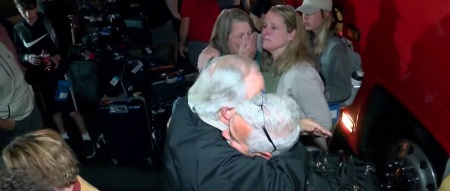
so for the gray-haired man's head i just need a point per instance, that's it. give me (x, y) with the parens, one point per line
(266, 125)
(223, 84)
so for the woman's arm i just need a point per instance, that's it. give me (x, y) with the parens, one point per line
(307, 91)
(205, 56)
(338, 85)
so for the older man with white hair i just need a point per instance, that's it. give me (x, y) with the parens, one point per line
(196, 156)
(266, 126)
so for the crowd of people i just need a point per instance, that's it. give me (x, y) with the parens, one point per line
(265, 82)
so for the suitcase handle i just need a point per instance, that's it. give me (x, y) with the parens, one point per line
(118, 109)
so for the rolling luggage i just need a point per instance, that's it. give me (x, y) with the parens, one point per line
(126, 129)
(164, 102)
(84, 78)
(83, 73)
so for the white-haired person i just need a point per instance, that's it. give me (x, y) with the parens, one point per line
(265, 126)
(197, 157)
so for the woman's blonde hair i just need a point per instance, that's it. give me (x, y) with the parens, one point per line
(297, 51)
(325, 29)
(222, 28)
(43, 153)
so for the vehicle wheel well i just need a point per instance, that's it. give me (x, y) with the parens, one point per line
(387, 120)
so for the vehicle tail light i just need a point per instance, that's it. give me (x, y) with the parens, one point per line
(347, 122)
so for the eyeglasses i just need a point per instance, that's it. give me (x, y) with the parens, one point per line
(264, 121)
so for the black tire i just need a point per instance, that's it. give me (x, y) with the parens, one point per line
(408, 158)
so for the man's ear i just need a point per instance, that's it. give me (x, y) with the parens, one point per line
(266, 155)
(226, 113)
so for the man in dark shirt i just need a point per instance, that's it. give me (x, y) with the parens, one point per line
(34, 35)
(197, 157)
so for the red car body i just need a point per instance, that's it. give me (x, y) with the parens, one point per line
(405, 51)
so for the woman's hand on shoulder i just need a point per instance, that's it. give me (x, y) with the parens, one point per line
(207, 53)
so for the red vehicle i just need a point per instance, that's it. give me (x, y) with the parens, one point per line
(401, 116)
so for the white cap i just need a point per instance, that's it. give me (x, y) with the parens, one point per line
(313, 6)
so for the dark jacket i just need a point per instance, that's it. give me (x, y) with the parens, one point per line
(38, 38)
(197, 157)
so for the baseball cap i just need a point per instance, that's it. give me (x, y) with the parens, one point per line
(313, 6)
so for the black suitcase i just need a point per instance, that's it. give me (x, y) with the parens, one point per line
(84, 78)
(126, 129)
(161, 108)
(83, 73)
(164, 52)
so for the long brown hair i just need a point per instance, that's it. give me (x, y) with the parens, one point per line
(297, 51)
(222, 28)
(325, 29)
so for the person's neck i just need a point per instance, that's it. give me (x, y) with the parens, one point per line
(31, 23)
(277, 52)
(69, 188)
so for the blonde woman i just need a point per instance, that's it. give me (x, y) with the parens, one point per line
(288, 66)
(334, 65)
(44, 154)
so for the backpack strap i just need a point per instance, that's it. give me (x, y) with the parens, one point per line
(19, 29)
(51, 31)
(332, 42)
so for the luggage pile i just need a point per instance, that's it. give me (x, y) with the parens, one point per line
(133, 83)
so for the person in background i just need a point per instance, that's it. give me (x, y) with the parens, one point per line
(33, 37)
(288, 67)
(258, 10)
(18, 112)
(333, 63)
(233, 33)
(44, 154)
(197, 21)
(173, 8)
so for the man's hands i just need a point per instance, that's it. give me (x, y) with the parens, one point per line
(7, 124)
(36, 60)
(248, 46)
(33, 59)
(309, 127)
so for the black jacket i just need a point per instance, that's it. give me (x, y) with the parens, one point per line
(36, 38)
(197, 157)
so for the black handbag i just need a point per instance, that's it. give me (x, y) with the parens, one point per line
(330, 172)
